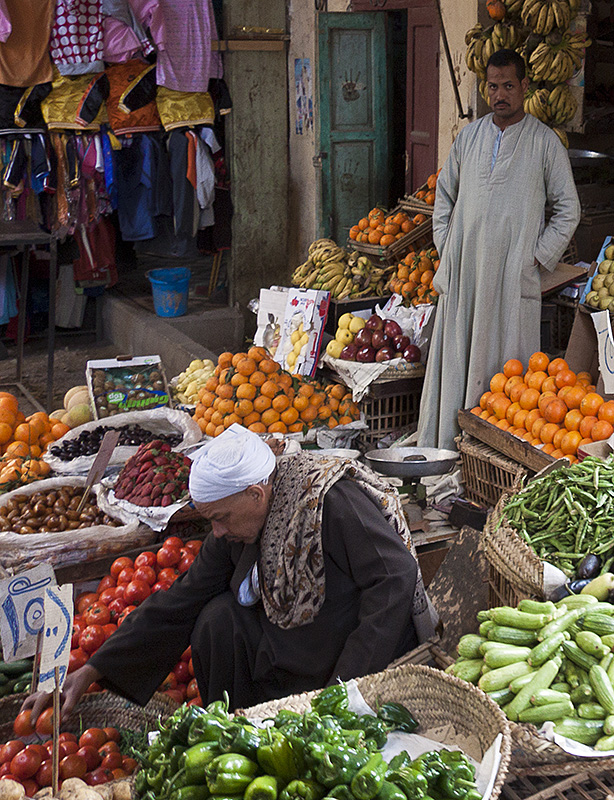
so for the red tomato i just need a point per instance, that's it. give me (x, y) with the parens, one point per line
(195, 701)
(173, 541)
(120, 591)
(187, 654)
(22, 725)
(191, 667)
(49, 747)
(160, 586)
(5, 769)
(147, 574)
(183, 688)
(108, 595)
(145, 559)
(170, 682)
(10, 749)
(174, 694)
(136, 592)
(25, 764)
(129, 764)
(41, 749)
(185, 563)
(119, 564)
(168, 574)
(91, 756)
(192, 689)
(67, 748)
(112, 734)
(108, 582)
(193, 545)
(168, 557)
(112, 761)
(119, 773)
(77, 627)
(125, 576)
(78, 657)
(67, 737)
(116, 607)
(85, 601)
(91, 638)
(93, 737)
(108, 629)
(182, 673)
(108, 747)
(31, 787)
(98, 776)
(44, 723)
(97, 614)
(124, 614)
(44, 774)
(72, 766)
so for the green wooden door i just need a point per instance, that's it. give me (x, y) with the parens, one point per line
(353, 118)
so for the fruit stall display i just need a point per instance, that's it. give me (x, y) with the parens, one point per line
(374, 339)
(548, 405)
(547, 661)
(413, 277)
(601, 294)
(76, 408)
(540, 31)
(98, 614)
(252, 390)
(154, 476)
(345, 275)
(384, 229)
(185, 386)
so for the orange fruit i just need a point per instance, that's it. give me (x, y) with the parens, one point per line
(207, 398)
(268, 366)
(251, 418)
(230, 419)
(59, 429)
(558, 437)
(269, 389)
(497, 382)
(547, 432)
(537, 426)
(242, 408)
(584, 378)
(516, 391)
(557, 364)
(548, 448)
(565, 377)
(573, 419)
(269, 416)
(238, 379)
(225, 391)
(25, 433)
(555, 410)
(289, 416)
(324, 412)
(211, 384)
(520, 418)
(529, 399)
(257, 427)
(485, 414)
(277, 427)
(246, 391)
(245, 366)
(500, 406)
(17, 449)
(6, 433)
(591, 403)
(300, 402)
(549, 385)
(257, 378)
(511, 382)
(237, 357)
(281, 402)
(562, 393)
(570, 442)
(317, 398)
(261, 403)
(511, 412)
(574, 396)
(527, 436)
(539, 361)
(224, 360)
(257, 353)
(586, 426)
(606, 412)
(296, 427)
(483, 399)
(503, 424)
(309, 414)
(512, 367)
(338, 391)
(531, 417)
(601, 430)
(536, 380)
(306, 389)
(476, 410)
(9, 402)
(492, 419)
(544, 399)
(7, 417)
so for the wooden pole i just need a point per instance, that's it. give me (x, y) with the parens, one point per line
(55, 763)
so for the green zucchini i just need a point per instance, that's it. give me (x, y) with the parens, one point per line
(517, 684)
(578, 656)
(469, 670)
(485, 627)
(501, 657)
(598, 623)
(608, 640)
(469, 645)
(483, 615)
(601, 608)
(602, 687)
(604, 743)
(586, 731)
(606, 661)
(608, 725)
(501, 696)
(560, 624)
(591, 643)
(537, 715)
(503, 676)
(577, 601)
(13, 669)
(561, 686)
(591, 711)
(544, 651)
(536, 606)
(542, 679)
(582, 694)
(511, 617)
(507, 635)
(544, 696)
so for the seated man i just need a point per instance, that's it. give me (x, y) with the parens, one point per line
(305, 577)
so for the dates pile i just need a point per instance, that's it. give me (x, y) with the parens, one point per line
(154, 476)
(88, 442)
(52, 511)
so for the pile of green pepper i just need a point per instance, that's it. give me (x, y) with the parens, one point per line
(327, 752)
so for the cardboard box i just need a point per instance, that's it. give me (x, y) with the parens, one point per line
(125, 383)
(582, 352)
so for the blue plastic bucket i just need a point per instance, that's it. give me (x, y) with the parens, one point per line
(170, 290)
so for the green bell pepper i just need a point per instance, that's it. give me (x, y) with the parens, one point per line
(367, 782)
(302, 790)
(347, 719)
(243, 739)
(331, 700)
(374, 728)
(230, 774)
(402, 759)
(390, 791)
(195, 761)
(431, 766)
(156, 779)
(262, 788)
(140, 783)
(190, 793)
(333, 764)
(411, 781)
(397, 717)
(179, 724)
(219, 708)
(340, 792)
(284, 716)
(206, 728)
(276, 756)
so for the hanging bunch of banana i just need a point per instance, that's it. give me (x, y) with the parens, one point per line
(562, 136)
(557, 58)
(367, 279)
(483, 42)
(513, 8)
(552, 106)
(543, 16)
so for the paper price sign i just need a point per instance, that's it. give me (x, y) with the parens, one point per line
(603, 327)
(22, 610)
(56, 637)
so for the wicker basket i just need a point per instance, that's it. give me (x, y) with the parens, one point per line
(438, 700)
(516, 571)
(99, 710)
(529, 749)
(487, 474)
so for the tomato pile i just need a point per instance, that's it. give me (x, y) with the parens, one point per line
(95, 756)
(98, 614)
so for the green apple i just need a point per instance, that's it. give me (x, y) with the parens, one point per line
(334, 348)
(344, 320)
(344, 336)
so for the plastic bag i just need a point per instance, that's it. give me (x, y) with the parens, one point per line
(415, 321)
(20, 551)
(155, 517)
(159, 420)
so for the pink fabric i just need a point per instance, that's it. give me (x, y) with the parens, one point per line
(76, 37)
(5, 22)
(182, 31)
(120, 42)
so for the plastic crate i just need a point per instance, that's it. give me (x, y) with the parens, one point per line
(390, 406)
(487, 474)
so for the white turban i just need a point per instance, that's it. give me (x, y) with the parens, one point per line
(229, 464)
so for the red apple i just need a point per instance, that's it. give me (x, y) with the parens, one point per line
(379, 339)
(385, 354)
(401, 343)
(349, 352)
(392, 328)
(412, 353)
(366, 354)
(375, 323)
(363, 337)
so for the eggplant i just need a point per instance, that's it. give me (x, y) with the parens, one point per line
(589, 567)
(576, 586)
(559, 593)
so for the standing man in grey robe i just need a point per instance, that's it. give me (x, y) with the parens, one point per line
(489, 229)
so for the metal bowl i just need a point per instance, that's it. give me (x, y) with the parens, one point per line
(587, 158)
(412, 462)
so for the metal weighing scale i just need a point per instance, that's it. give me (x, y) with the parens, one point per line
(410, 464)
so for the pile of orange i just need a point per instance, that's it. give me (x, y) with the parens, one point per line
(414, 275)
(254, 391)
(377, 228)
(547, 405)
(23, 440)
(428, 194)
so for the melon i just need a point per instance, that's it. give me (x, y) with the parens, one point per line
(57, 415)
(79, 398)
(78, 415)
(72, 392)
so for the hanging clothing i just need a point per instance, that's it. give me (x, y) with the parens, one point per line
(123, 78)
(96, 260)
(77, 37)
(134, 176)
(123, 36)
(24, 50)
(182, 31)
(21, 108)
(76, 103)
(488, 227)
(184, 196)
(184, 109)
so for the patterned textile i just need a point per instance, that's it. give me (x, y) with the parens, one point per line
(77, 37)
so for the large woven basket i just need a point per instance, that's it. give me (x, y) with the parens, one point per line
(529, 750)
(438, 701)
(96, 710)
(512, 559)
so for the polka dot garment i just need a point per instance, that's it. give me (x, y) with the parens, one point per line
(77, 36)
